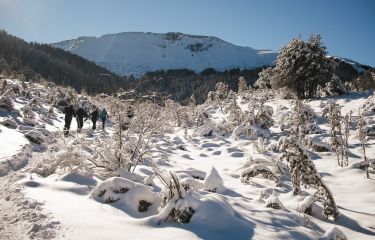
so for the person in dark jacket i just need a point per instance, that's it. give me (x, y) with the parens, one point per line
(69, 113)
(103, 116)
(80, 114)
(94, 117)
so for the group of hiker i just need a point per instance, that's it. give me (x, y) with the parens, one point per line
(80, 114)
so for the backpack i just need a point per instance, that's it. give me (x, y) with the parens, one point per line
(103, 114)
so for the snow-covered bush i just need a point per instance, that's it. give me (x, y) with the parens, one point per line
(363, 140)
(124, 191)
(177, 114)
(129, 146)
(264, 80)
(223, 129)
(6, 101)
(333, 234)
(258, 112)
(71, 159)
(251, 131)
(302, 67)
(316, 145)
(302, 203)
(301, 121)
(303, 172)
(35, 137)
(256, 170)
(201, 116)
(188, 182)
(242, 85)
(177, 204)
(221, 91)
(236, 116)
(338, 142)
(10, 123)
(334, 86)
(206, 130)
(274, 202)
(213, 181)
(369, 106)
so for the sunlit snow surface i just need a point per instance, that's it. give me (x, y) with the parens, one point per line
(235, 212)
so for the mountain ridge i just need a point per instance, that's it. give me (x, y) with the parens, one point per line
(135, 53)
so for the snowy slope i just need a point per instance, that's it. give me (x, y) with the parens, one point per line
(137, 52)
(60, 206)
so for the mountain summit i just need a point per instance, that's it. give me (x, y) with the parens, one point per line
(137, 52)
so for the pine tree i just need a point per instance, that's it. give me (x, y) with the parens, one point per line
(264, 80)
(337, 139)
(303, 172)
(242, 85)
(302, 121)
(335, 86)
(363, 139)
(302, 67)
(346, 133)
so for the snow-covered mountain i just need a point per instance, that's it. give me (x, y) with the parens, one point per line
(137, 52)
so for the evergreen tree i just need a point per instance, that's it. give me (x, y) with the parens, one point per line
(264, 80)
(337, 139)
(302, 67)
(242, 85)
(335, 86)
(361, 125)
(304, 172)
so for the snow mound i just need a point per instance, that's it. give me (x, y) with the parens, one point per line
(274, 202)
(7, 122)
(334, 234)
(78, 178)
(35, 137)
(206, 130)
(251, 131)
(302, 203)
(213, 181)
(137, 197)
(215, 215)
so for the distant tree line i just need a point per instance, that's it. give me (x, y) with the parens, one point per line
(181, 84)
(40, 61)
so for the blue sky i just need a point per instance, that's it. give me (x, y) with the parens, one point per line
(347, 27)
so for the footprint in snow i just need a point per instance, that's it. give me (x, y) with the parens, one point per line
(210, 145)
(237, 154)
(216, 153)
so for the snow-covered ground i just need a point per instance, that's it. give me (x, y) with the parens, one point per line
(71, 205)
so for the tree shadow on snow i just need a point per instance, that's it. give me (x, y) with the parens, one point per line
(284, 222)
(350, 223)
(343, 220)
(368, 214)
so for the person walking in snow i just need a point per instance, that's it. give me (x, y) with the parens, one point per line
(69, 113)
(94, 117)
(80, 114)
(103, 116)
